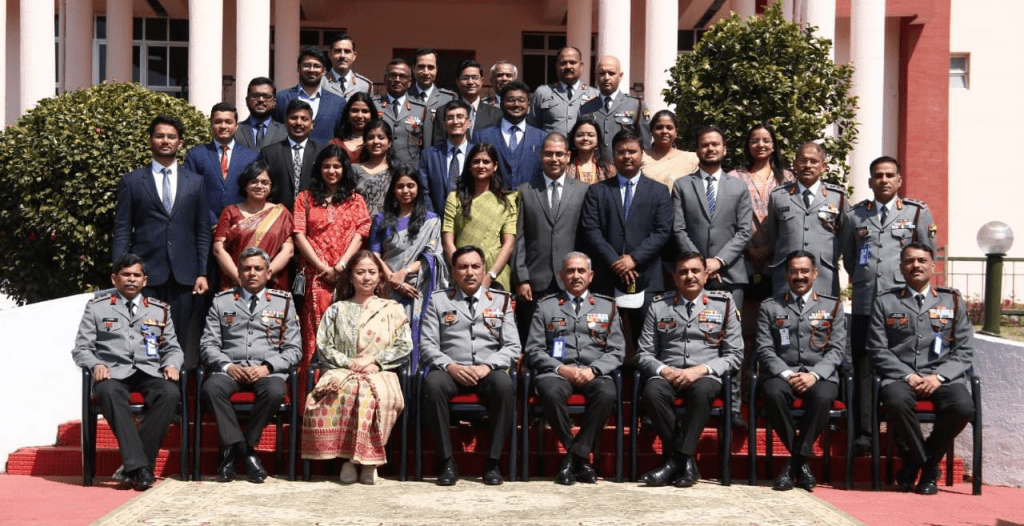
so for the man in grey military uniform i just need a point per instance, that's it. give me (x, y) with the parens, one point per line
(801, 338)
(409, 118)
(128, 343)
(556, 106)
(691, 339)
(615, 110)
(342, 80)
(874, 233)
(469, 341)
(923, 346)
(424, 89)
(250, 341)
(502, 72)
(807, 214)
(575, 341)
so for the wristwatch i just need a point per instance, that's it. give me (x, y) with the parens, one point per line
(492, 274)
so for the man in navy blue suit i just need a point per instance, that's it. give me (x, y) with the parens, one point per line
(327, 106)
(625, 223)
(221, 161)
(162, 216)
(441, 164)
(518, 143)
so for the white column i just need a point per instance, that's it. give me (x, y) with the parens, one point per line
(286, 44)
(579, 28)
(77, 45)
(3, 63)
(613, 32)
(205, 53)
(787, 9)
(252, 48)
(867, 32)
(823, 16)
(744, 8)
(36, 61)
(119, 40)
(662, 19)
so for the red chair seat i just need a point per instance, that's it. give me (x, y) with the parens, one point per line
(470, 398)
(134, 399)
(574, 399)
(718, 403)
(243, 397)
(799, 404)
(924, 406)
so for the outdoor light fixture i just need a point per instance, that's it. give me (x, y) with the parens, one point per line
(994, 239)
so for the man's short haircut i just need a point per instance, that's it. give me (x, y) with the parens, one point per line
(424, 51)
(576, 255)
(315, 53)
(397, 61)
(298, 105)
(129, 260)
(883, 159)
(811, 144)
(624, 136)
(556, 137)
(687, 256)
(455, 104)
(494, 68)
(470, 63)
(167, 119)
(224, 107)
(338, 37)
(466, 249)
(704, 130)
(574, 48)
(515, 85)
(250, 173)
(262, 81)
(801, 254)
(253, 252)
(917, 246)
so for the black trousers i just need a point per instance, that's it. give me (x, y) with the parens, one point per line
(954, 408)
(779, 397)
(496, 390)
(680, 435)
(181, 301)
(554, 392)
(138, 447)
(217, 390)
(862, 372)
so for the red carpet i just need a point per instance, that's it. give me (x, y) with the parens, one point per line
(953, 506)
(54, 501)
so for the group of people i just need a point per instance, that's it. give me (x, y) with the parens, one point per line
(457, 234)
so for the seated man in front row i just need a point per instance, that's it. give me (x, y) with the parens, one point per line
(128, 342)
(690, 341)
(575, 342)
(469, 340)
(250, 341)
(923, 346)
(801, 338)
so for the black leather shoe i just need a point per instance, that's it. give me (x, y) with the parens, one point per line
(142, 479)
(862, 446)
(907, 476)
(738, 423)
(226, 468)
(929, 480)
(492, 475)
(565, 475)
(784, 482)
(585, 473)
(663, 475)
(121, 477)
(254, 469)
(448, 475)
(689, 474)
(804, 478)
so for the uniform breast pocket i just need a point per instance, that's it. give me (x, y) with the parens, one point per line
(273, 326)
(901, 235)
(109, 328)
(494, 322)
(547, 105)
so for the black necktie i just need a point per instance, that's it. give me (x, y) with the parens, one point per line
(885, 214)
(807, 198)
(689, 309)
(453, 168)
(252, 303)
(607, 104)
(260, 134)
(920, 299)
(800, 304)
(576, 304)
(555, 199)
(131, 308)
(568, 92)
(472, 305)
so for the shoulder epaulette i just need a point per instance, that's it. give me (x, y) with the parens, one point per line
(863, 203)
(948, 290)
(784, 187)
(604, 297)
(280, 293)
(450, 292)
(104, 297)
(827, 296)
(498, 291)
(550, 296)
(225, 291)
(445, 91)
(664, 295)
(915, 202)
(718, 294)
(361, 76)
(834, 187)
(894, 290)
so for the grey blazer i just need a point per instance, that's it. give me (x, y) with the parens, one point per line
(450, 334)
(268, 336)
(543, 240)
(791, 225)
(276, 132)
(812, 340)
(593, 338)
(723, 236)
(145, 342)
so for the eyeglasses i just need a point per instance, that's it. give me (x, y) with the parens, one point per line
(259, 182)
(260, 96)
(799, 271)
(311, 65)
(455, 118)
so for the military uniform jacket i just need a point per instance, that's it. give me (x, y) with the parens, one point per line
(145, 342)
(871, 250)
(551, 107)
(233, 335)
(710, 335)
(624, 113)
(792, 226)
(812, 341)
(438, 98)
(935, 338)
(344, 88)
(450, 334)
(593, 338)
(410, 122)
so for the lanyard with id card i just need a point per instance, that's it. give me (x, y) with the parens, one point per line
(937, 345)
(151, 341)
(865, 255)
(558, 348)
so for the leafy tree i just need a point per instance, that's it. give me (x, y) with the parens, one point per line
(765, 69)
(59, 170)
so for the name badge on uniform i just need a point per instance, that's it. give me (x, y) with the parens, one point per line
(229, 317)
(108, 323)
(896, 318)
(556, 323)
(151, 345)
(558, 348)
(865, 255)
(666, 324)
(783, 209)
(937, 345)
(449, 317)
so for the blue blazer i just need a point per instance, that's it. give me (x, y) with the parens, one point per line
(522, 165)
(204, 159)
(605, 234)
(174, 246)
(327, 115)
(434, 177)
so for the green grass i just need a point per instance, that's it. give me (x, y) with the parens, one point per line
(1008, 331)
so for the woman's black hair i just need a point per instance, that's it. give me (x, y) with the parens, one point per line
(775, 160)
(392, 208)
(343, 129)
(601, 157)
(250, 173)
(467, 185)
(388, 132)
(317, 186)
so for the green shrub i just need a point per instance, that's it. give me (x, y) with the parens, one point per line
(59, 170)
(765, 69)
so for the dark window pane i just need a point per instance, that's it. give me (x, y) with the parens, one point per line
(309, 37)
(103, 62)
(179, 30)
(533, 41)
(156, 29)
(179, 67)
(556, 41)
(552, 69)
(136, 64)
(136, 29)
(56, 26)
(156, 66)
(533, 70)
(271, 38)
(56, 61)
(101, 27)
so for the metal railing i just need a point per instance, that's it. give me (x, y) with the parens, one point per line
(968, 275)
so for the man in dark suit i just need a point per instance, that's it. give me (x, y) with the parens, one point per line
(625, 224)
(549, 213)
(221, 161)
(291, 160)
(424, 89)
(441, 164)
(615, 110)
(408, 117)
(162, 216)
(481, 114)
(260, 129)
(712, 217)
(326, 106)
(518, 143)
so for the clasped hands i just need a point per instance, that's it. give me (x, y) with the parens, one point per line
(467, 375)
(247, 375)
(577, 376)
(100, 373)
(683, 378)
(924, 386)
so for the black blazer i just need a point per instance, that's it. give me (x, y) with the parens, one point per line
(605, 235)
(173, 246)
(279, 158)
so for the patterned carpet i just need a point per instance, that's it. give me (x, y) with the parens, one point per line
(324, 503)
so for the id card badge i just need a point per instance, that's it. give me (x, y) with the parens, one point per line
(937, 345)
(784, 337)
(865, 255)
(151, 346)
(558, 348)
